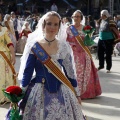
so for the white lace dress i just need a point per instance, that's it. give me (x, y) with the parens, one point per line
(40, 104)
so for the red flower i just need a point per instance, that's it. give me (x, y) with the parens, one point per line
(14, 90)
(87, 27)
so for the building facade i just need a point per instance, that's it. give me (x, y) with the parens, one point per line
(92, 7)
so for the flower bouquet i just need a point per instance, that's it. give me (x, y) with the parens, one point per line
(14, 94)
(88, 30)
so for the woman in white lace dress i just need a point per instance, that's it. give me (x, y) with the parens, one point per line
(47, 97)
(23, 37)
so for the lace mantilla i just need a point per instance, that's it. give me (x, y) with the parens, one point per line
(65, 53)
(77, 90)
(60, 106)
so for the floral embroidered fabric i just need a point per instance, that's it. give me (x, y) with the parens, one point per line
(62, 105)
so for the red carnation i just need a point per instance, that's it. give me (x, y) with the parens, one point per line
(14, 90)
(87, 27)
(14, 94)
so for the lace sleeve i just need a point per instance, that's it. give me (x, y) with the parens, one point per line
(77, 90)
(69, 68)
(68, 62)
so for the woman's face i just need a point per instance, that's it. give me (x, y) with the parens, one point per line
(52, 25)
(103, 16)
(26, 25)
(76, 17)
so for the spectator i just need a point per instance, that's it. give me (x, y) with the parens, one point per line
(66, 21)
(118, 21)
(16, 24)
(91, 21)
(115, 18)
(34, 23)
(23, 37)
(107, 33)
(54, 7)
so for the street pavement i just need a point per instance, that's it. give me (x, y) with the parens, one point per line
(104, 107)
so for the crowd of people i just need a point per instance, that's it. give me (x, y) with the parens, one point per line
(56, 69)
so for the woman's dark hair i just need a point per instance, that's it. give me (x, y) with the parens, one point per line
(86, 22)
(91, 21)
(90, 17)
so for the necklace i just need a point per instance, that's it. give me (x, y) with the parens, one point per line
(77, 26)
(49, 42)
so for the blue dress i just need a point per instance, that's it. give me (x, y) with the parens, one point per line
(51, 100)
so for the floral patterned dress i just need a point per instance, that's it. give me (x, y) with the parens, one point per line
(87, 77)
(6, 78)
(51, 100)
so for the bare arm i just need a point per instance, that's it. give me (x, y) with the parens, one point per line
(12, 51)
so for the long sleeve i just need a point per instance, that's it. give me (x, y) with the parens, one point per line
(69, 69)
(7, 38)
(5, 42)
(28, 72)
(70, 72)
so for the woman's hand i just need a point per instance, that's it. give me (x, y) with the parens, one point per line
(12, 51)
(79, 99)
(13, 60)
